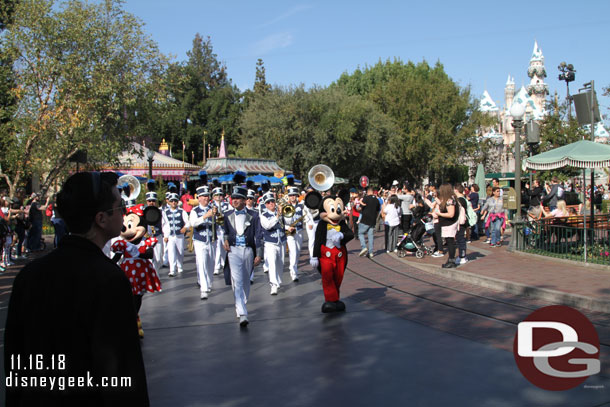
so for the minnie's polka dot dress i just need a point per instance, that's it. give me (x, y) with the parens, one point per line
(140, 272)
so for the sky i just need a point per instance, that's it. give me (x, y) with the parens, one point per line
(479, 43)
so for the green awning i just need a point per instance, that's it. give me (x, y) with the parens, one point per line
(581, 154)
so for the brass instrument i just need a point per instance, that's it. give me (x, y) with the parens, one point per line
(321, 177)
(288, 211)
(190, 246)
(293, 225)
(219, 219)
(134, 186)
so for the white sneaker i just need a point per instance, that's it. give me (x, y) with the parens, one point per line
(363, 252)
(437, 254)
(204, 295)
(463, 260)
(216, 272)
(179, 271)
(243, 321)
(274, 290)
(171, 274)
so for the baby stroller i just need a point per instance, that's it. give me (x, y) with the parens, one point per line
(413, 242)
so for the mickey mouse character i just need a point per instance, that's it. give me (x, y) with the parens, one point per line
(329, 251)
(137, 252)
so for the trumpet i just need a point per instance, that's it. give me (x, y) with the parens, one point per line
(285, 207)
(219, 219)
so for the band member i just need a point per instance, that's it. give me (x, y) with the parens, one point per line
(294, 231)
(251, 206)
(241, 242)
(156, 230)
(202, 220)
(171, 188)
(175, 223)
(274, 240)
(312, 217)
(221, 207)
(265, 187)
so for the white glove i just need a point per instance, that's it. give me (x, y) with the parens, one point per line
(314, 262)
(336, 239)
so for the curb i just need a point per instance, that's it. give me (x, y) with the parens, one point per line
(554, 296)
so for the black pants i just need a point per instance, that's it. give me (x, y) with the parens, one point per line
(438, 240)
(451, 248)
(406, 223)
(461, 239)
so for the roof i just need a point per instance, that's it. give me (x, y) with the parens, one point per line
(247, 165)
(537, 53)
(487, 104)
(600, 130)
(139, 159)
(528, 103)
(581, 154)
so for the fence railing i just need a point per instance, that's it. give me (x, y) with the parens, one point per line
(565, 238)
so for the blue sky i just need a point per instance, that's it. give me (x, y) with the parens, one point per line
(313, 42)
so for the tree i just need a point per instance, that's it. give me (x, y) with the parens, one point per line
(261, 87)
(437, 120)
(81, 71)
(200, 97)
(300, 128)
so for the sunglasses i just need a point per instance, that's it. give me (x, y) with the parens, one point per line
(121, 207)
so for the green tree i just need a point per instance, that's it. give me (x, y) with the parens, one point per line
(300, 128)
(261, 87)
(200, 97)
(81, 70)
(437, 121)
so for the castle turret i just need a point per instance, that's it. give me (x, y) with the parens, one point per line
(509, 92)
(537, 89)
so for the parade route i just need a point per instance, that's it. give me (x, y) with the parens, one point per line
(409, 338)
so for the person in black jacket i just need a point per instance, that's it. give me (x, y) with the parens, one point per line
(535, 194)
(71, 312)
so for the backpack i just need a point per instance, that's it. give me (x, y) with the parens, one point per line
(472, 215)
(462, 219)
(559, 191)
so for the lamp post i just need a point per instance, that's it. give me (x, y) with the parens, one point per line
(568, 74)
(150, 155)
(517, 111)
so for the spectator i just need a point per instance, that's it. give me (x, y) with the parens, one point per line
(559, 212)
(406, 205)
(474, 199)
(432, 203)
(369, 208)
(391, 214)
(535, 193)
(552, 194)
(74, 306)
(35, 218)
(447, 214)
(460, 236)
(496, 220)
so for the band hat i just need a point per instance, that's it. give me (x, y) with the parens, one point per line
(395, 182)
(218, 191)
(293, 191)
(130, 202)
(239, 192)
(167, 194)
(173, 196)
(269, 196)
(151, 196)
(251, 194)
(203, 190)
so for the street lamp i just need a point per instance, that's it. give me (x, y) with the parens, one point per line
(568, 74)
(517, 111)
(150, 154)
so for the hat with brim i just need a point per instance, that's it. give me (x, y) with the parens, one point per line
(268, 197)
(173, 196)
(151, 196)
(239, 192)
(218, 191)
(293, 191)
(203, 190)
(251, 194)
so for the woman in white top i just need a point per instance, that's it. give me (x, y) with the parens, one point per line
(391, 216)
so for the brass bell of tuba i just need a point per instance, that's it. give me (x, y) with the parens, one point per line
(321, 177)
(134, 186)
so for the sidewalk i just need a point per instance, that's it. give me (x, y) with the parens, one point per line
(545, 278)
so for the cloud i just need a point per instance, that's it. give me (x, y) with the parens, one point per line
(272, 42)
(289, 13)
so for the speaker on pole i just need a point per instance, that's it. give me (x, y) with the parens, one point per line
(582, 103)
(532, 130)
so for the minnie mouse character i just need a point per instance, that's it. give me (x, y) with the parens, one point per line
(137, 252)
(329, 251)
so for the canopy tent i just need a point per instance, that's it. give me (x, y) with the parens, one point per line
(258, 178)
(581, 154)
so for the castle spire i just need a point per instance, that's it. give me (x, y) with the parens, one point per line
(537, 89)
